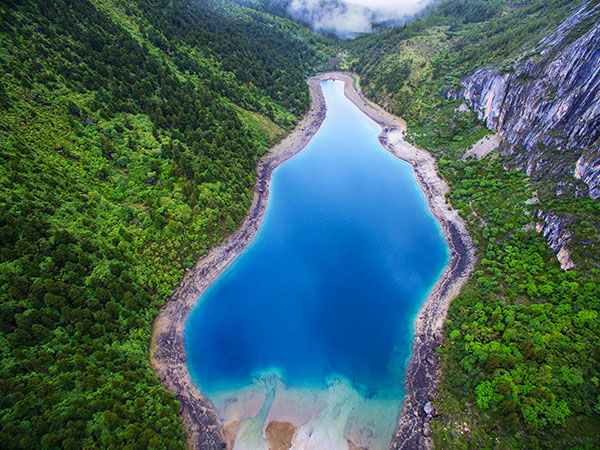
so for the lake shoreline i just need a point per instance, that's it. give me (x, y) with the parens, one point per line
(167, 351)
(168, 359)
(423, 372)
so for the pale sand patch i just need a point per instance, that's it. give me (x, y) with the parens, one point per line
(483, 147)
(231, 430)
(328, 416)
(280, 435)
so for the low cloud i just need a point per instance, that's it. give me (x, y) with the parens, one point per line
(347, 18)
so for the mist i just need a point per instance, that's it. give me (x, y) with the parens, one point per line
(347, 18)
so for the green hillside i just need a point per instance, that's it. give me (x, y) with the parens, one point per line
(129, 136)
(407, 68)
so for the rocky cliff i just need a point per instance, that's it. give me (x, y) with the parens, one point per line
(546, 106)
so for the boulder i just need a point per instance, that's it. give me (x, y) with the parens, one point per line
(426, 429)
(429, 409)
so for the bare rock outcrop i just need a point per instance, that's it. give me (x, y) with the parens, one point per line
(546, 107)
(555, 229)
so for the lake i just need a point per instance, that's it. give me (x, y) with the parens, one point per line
(312, 323)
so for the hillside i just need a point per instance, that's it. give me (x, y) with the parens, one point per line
(129, 137)
(520, 362)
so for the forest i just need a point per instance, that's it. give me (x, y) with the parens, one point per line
(130, 132)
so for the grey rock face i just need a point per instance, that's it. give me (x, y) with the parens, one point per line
(548, 109)
(587, 168)
(555, 229)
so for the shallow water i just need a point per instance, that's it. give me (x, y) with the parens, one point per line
(325, 295)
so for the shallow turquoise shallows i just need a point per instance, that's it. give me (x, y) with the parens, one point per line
(330, 286)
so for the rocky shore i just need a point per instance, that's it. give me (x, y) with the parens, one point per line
(167, 350)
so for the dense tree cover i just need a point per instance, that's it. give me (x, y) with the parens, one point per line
(277, 7)
(127, 149)
(521, 360)
(255, 47)
(522, 338)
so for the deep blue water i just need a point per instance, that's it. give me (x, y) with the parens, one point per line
(344, 259)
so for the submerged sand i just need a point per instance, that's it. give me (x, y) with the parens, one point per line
(203, 428)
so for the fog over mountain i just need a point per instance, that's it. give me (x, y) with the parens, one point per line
(346, 18)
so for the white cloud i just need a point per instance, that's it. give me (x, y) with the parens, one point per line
(391, 5)
(349, 17)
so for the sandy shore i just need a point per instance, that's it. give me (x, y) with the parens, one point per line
(168, 357)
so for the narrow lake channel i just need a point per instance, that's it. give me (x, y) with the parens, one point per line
(312, 323)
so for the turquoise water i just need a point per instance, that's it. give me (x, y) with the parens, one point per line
(329, 288)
